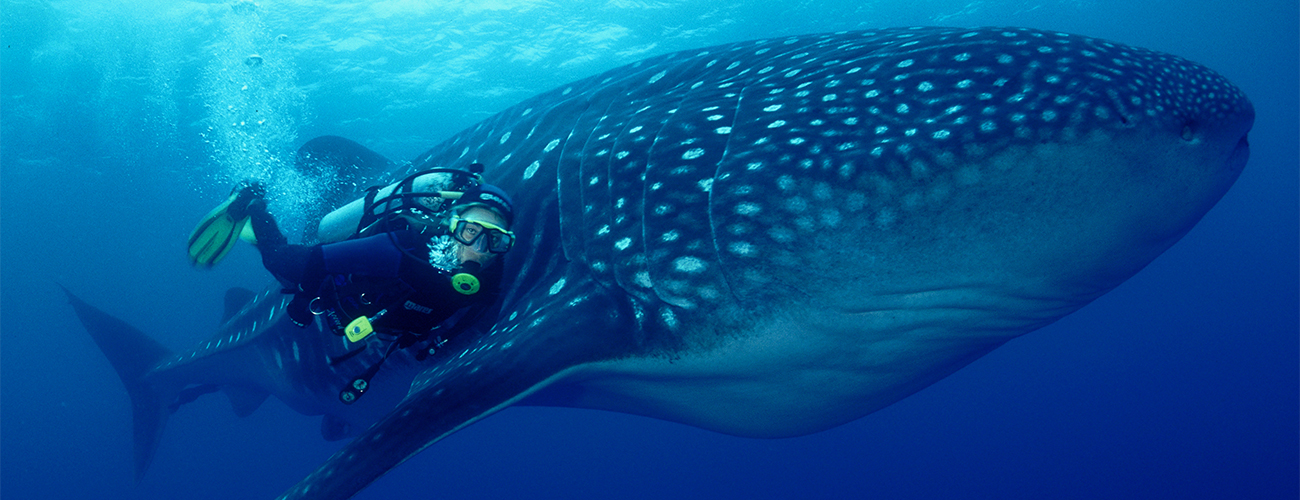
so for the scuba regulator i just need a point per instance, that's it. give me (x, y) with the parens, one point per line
(465, 281)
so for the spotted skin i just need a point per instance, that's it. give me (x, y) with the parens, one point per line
(766, 143)
(775, 237)
(771, 238)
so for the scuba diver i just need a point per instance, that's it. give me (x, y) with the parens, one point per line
(415, 261)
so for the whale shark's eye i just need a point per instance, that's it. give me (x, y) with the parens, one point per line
(1189, 131)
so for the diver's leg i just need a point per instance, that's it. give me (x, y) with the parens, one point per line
(264, 227)
(288, 263)
(291, 264)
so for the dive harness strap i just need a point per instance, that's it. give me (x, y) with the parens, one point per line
(359, 385)
(403, 197)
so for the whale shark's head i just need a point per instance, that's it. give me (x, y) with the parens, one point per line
(885, 206)
(1010, 169)
(1012, 174)
(891, 203)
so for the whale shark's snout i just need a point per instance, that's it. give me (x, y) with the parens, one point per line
(1222, 123)
(1192, 124)
(1192, 104)
(1224, 117)
(1231, 127)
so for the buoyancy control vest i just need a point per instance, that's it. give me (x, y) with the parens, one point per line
(433, 297)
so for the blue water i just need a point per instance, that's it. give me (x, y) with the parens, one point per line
(123, 122)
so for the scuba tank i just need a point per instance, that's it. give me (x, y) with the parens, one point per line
(421, 194)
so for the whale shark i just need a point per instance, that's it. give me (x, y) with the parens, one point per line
(767, 238)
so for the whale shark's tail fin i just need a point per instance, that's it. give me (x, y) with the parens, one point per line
(132, 355)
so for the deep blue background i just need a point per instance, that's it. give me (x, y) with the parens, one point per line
(120, 126)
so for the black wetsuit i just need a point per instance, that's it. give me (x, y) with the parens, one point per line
(386, 272)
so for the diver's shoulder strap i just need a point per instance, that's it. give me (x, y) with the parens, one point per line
(406, 205)
(367, 216)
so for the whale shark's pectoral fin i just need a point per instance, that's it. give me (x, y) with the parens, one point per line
(333, 428)
(245, 400)
(516, 358)
(236, 299)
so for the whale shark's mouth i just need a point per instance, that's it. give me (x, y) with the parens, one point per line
(983, 310)
(1237, 160)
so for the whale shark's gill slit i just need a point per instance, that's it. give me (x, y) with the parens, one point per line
(731, 124)
(587, 191)
(677, 146)
(711, 207)
(568, 188)
(676, 225)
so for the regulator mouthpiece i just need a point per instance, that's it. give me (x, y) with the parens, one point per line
(464, 280)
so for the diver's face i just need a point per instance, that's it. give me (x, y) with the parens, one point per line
(478, 251)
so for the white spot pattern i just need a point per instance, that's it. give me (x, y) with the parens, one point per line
(833, 128)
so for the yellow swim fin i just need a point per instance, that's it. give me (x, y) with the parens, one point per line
(215, 235)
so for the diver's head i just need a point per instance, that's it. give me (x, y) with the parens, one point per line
(481, 233)
(480, 224)
(489, 196)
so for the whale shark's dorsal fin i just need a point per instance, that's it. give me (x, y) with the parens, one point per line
(343, 169)
(236, 299)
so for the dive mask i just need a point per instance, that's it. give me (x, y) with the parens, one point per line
(481, 236)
